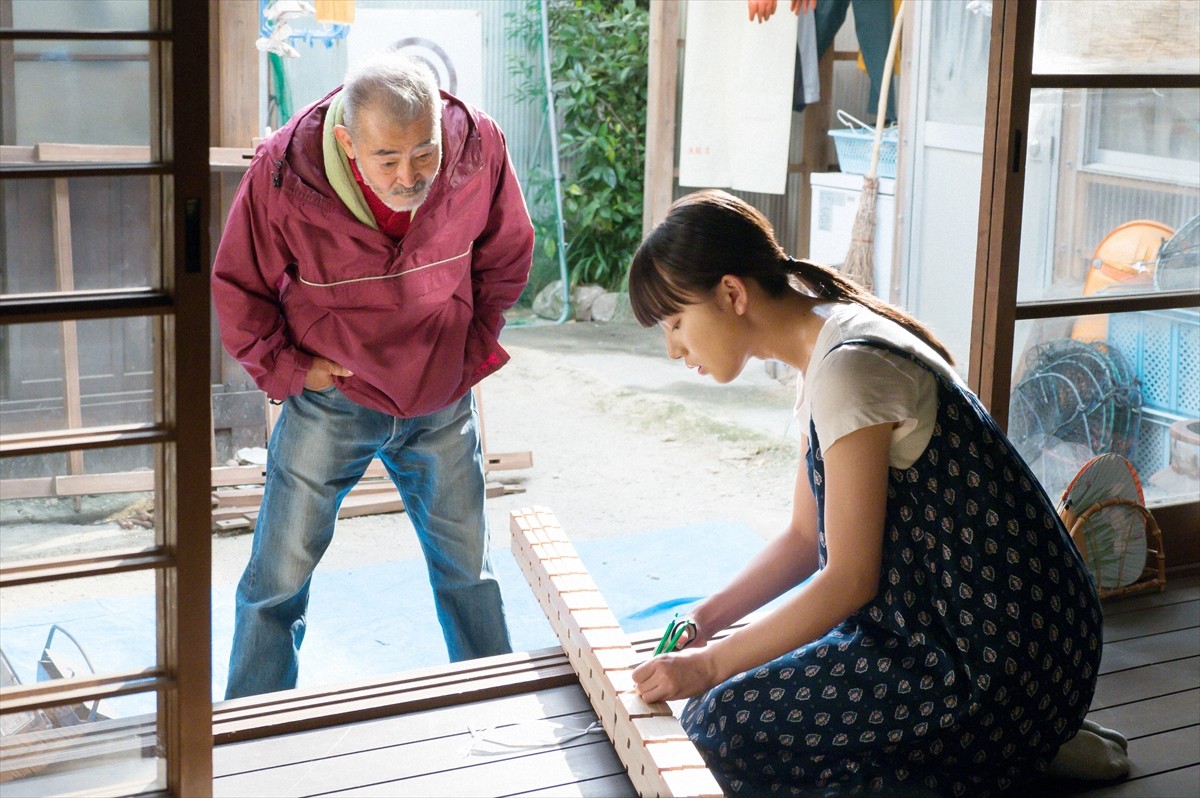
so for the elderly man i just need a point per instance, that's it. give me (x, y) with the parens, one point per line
(369, 255)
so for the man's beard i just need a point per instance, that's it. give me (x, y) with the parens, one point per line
(400, 200)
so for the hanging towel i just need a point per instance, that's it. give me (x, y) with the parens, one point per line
(807, 88)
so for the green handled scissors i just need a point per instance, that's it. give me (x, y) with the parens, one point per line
(675, 630)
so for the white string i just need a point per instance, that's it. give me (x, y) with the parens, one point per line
(539, 739)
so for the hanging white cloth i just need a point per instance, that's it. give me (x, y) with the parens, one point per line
(806, 52)
(735, 124)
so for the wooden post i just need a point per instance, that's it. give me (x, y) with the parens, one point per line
(1001, 199)
(648, 739)
(233, 126)
(659, 175)
(65, 278)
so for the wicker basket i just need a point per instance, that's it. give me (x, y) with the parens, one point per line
(1151, 574)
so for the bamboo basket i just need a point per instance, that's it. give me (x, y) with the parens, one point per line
(1153, 571)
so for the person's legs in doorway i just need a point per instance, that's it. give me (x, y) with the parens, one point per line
(319, 448)
(437, 463)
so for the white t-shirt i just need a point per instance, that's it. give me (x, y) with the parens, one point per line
(860, 386)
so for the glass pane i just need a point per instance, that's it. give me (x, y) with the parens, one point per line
(76, 503)
(82, 233)
(68, 375)
(960, 37)
(101, 94)
(81, 14)
(1117, 37)
(1127, 383)
(1112, 193)
(79, 627)
(74, 750)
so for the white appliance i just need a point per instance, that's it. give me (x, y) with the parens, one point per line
(834, 206)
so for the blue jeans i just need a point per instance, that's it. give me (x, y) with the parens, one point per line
(321, 445)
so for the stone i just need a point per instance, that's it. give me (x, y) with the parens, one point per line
(582, 299)
(612, 306)
(548, 303)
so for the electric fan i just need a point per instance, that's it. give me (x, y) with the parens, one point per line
(1178, 266)
(1077, 400)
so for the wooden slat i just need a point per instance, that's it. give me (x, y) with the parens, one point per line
(1152, 620)
(91, 153)
(27, 488)
(252, 496)
(380, 767)
(1148, 650)
(603, 660)
(507, 461)
(615, 786)
(1152, 716)
(1179, 589)
(106, 563)
(13, 154)
(508, 776)
(83, 484)
(535, 706)
(64, 268)
(412, 691)
(219, 158)
(79, 690)
(108, 737)
(222, 476)
(370, 504)
(1182, 782)
(1160, 765)
(1149, 681)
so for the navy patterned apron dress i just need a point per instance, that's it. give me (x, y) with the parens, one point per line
(974, 662)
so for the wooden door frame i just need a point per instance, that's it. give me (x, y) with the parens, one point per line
(181, 556)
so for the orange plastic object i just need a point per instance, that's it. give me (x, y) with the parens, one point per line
(1124, 260)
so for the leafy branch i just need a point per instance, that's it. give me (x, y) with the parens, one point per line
(599, 69)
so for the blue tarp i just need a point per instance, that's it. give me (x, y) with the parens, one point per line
(379, 619)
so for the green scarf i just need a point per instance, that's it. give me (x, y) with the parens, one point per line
(337, 167)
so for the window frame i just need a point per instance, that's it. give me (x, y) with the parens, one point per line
(996, 309)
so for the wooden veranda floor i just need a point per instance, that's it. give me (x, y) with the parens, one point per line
(1149, 690)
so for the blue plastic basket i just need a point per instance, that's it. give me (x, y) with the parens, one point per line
(1163, 347)
(854, 147)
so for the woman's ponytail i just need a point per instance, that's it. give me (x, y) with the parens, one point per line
(833, 285)
(711, 233)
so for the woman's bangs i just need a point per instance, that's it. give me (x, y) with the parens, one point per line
(651, 296)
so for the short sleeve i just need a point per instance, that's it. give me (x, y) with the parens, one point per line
(858, 386)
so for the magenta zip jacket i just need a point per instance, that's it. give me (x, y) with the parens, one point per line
(416, 320)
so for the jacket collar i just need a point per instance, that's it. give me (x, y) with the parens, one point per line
(300, 144)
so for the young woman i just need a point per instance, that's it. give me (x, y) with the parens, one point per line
(947, 638)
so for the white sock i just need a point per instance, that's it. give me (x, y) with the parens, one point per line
(1090, 756)
(1115, 736)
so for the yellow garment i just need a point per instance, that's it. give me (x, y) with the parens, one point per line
(334, 10)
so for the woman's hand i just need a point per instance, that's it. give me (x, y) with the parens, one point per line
(321, 373)
(760, 10)
(683, 674)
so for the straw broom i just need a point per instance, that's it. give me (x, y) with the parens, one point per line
(860, 259)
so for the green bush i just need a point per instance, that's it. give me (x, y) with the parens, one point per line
(598, 62)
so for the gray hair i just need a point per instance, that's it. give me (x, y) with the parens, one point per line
(399, 86)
